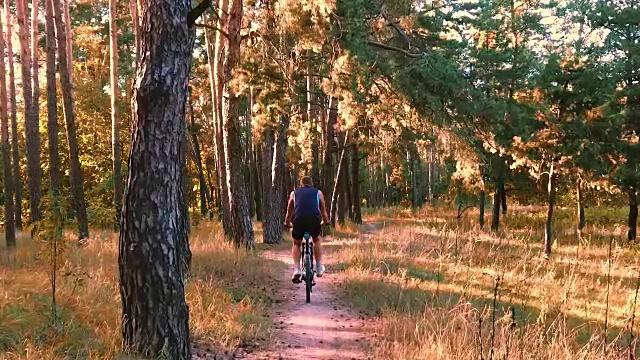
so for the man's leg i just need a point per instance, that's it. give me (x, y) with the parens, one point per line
(317, 249)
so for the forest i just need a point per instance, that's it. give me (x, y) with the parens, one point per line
(480, 161)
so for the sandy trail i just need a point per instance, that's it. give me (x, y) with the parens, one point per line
(324, 329)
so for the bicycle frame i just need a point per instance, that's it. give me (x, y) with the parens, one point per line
(307, 258)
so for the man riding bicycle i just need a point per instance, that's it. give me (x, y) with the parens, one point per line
(306, 208)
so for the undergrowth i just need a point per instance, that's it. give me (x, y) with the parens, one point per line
(441, 288)
(226, 298)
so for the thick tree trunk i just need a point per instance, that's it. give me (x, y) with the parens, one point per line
(242, 233)
(115, 125)
(551, 193)
(355, 183)
(75, 168)
(483, 196)
(31, 121)
(9, 228)
(581, 217)
(55, 174)
(497, 200)
(15, 148)
(152, 261)
(632, 222)
(276, 186)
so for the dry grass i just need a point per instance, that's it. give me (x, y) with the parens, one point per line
(226, 300)
(444, 289)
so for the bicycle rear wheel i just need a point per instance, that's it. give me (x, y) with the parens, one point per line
(308, 276)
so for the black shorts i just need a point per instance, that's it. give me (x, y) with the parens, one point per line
(312, 225)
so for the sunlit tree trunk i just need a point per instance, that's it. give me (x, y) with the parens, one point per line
(135, 20)
(355, 182)
(579, 196)
(34, 170)
(55, 175)
(75, 168)
(9, 228)
(328, 171)
(68, 38)
(152, 258)
(197, 156)
(239, 206)
(551, 200)
(115, 125)
(15, 148)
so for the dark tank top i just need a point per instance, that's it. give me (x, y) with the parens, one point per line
(306, 202)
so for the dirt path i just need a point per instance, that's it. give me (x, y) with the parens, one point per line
(324, 329)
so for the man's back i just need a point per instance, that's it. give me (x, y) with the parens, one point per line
(306, 202)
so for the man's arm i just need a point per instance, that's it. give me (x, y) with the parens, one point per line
(289, 217)
(323, 208)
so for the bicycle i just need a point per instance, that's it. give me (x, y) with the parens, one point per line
(308, 271)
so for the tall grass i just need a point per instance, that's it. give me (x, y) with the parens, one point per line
(226, 302)
(442, 288)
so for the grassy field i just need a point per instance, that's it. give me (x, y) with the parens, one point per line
(444, 289)
(226, 295)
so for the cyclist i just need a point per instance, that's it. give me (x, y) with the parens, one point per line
(306, 208)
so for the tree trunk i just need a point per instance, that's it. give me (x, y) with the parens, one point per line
(275, 187)
(503, 198)
(257, 181)
(483, 196)
(9, 228)
(414, 182)
(497, 200)
(115, 125)
(633, 214)
(251, 196)
(152, 261)
(197, 156)
(312, 118)
(334, 195)
(68, 38)
(75, 168)
(215, 81)
(15, 148)
(355, 183)
(135, 20)
(551, 191)
(581, 217)
(53, 128)
(332, 117)
(31, 121)
(242, 233)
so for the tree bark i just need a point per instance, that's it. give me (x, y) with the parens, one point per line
(197, 156)
(53, 128)
(31, 121)
(551, 191)
(15, 148)
(242, 233)
(483, 196)
(633, 214)
(355, 182)
(503, 198)
(330, 146)
(152, 261)
(274, 183)
(269, 203)
(75, 168)
(345, 183)
(257, 181)
(68, 38)
(581, 217)
(115, 125)
(497, 200)
(135, 20)
(9, 228)
(334, 195)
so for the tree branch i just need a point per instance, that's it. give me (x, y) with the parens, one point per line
(393, 48)
(197, 11)
(212, 28)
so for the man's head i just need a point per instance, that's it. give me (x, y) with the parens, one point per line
(306, 181)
